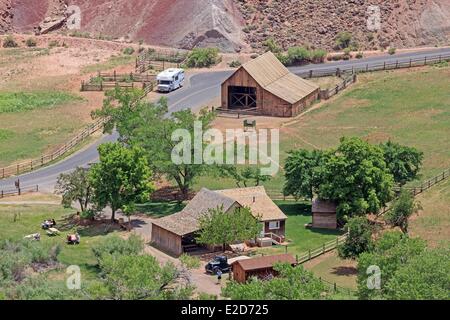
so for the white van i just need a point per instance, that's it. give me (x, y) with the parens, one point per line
(170, 79)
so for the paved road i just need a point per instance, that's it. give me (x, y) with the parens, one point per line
(201, 89)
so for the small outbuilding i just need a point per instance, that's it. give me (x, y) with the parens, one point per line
(324, 214)
(261, 268)
(266, 87)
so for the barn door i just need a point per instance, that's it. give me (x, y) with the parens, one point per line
(241, 97)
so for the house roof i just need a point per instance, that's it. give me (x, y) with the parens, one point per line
(265, 262)
(324, 206)
(187, 221)
(257, 200)
(274, 77)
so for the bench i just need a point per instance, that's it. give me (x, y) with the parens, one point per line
(249, 124)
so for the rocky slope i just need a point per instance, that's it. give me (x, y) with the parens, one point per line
(237, 24)
(403, 23)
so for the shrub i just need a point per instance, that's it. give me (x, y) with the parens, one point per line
(203, 57)
(31, 42)
(359, 55)
(298, 55)
(235, 64)
(114, 245)
(343, 40)
(392, 51)
(271, 45)
(10, 42)
(53, 44)
(359, 239)
(318, 56)
(128, 51)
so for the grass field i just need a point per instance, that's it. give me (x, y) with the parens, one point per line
(19, 221)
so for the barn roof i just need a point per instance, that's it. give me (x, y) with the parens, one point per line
(274, 77)
(187, 221)
(324, 206)
(265, 262)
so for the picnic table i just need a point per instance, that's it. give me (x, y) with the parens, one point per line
(249, 124)
(53, 232)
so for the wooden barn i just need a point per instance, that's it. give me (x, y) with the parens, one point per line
(266, 87)
(175, 234)
(324, 214)
(261, 268)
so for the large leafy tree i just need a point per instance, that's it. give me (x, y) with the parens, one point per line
(244, 177)
(402, 209)
(359, 238)
(148, 126)
(75, 186)
(292, 283)
(121, 178)
(356, 177)
(221, 228)
(128, 274)
(403, 162)
(302, 171)
(390, 253)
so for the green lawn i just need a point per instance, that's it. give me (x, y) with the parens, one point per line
(11, 102)
(160, 209)
(19, 221)
(301, 238)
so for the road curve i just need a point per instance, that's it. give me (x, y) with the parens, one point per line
(200, 89)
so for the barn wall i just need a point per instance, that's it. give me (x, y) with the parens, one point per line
(238, 273)
(166, 240)
(324, 220)
(240, 78)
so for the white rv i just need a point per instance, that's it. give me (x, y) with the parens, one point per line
(170, 79)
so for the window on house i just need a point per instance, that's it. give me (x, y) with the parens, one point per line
(274, 225)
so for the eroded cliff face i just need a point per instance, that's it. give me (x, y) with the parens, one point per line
(403, 23)
(182, 23)
(233, 25)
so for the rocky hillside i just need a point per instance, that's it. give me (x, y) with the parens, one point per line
(403, 23)
(233, 25)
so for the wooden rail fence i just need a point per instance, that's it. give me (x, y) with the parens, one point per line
(31, 165)
(326, 247)
(18, 191)
(107, 81)
(328, 93)
(413, 62)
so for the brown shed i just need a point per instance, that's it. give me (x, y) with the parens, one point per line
(324, 214)
(265, 86)
(261, 268)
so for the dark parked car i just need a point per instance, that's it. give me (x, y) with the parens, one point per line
(219, 263)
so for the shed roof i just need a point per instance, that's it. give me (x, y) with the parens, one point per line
(324, 206)
(274, 77)
(265, 262)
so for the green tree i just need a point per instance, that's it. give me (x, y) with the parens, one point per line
(272, 46)
(121, 178)
(402, 209)
(292, 283)
(244, 177)
(203, 57)
(403, 162)
(302, 171)
(392, 251)
(221, 228)
(75, 186)
(359, 238)
(424, 277)
(356, 177)
(147, 126)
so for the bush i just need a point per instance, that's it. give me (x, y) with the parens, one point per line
(359, 239)
(392, 51)
(53, 44)
(128, 51)
(10, 42)
(318, 56)
(31, 42)
(235, 64)
(359, 55)
(271, 45)
(203, 57)
(118, 246)
(343, 40)
(298, 55)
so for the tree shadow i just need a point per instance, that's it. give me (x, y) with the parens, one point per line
(345, 271)
(295, 208)
(160, 209)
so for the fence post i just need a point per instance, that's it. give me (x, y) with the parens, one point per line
(367, 67)
(425, 61)
(17, 169)
(19, 191)
(3, 175)
(2, 193)
(114, 75)
(37, 188)
(31, 164)
(310, 74)
(384, 67)
(309, 254)
(410, 63)
(335, 287)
